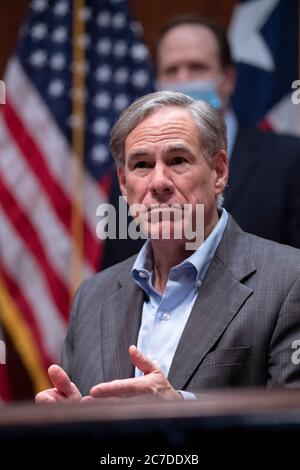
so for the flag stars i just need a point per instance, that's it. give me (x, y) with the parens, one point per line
(101, 127)
(121, 75)
(139, 52)
(56, 88)
(104, 19)
(61, 8)
(136, 28)
(38, 58)
(59, 35)
(104, 46)
(39, 5)
(103, 73)
(120, 48)
(140, 78)
(57, 61)
(120, 102)
(118, 21)
(102, 100)
(99, 153)
(38, 32)
(112, 66)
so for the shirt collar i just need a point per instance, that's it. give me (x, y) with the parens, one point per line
(200, 259)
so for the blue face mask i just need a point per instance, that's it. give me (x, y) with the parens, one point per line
(206, 90)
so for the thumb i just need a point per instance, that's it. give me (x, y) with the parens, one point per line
(61, 381)
(142, 362)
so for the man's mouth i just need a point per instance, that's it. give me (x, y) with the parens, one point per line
(164, 206)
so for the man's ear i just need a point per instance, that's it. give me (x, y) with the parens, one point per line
(122, 179)
(220, 166)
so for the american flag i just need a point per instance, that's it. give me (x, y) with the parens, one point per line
(78, 65)
(265, 45)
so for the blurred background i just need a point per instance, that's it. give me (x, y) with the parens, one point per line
(70, 67)
(152, 14)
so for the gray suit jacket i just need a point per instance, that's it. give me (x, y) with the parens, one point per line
(239, 334)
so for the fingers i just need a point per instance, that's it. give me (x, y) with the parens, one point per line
(50, 396)
(129, 387)
(59, 379)
(141, 361)
(62, 382)
(63, 389)
(117, 388)
(87, 399)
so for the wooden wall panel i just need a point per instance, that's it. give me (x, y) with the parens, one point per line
(12, 14)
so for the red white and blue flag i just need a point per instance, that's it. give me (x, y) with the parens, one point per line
(78, 65)
(265, 43)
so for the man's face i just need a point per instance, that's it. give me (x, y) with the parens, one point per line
(164, 164)
(191, 52)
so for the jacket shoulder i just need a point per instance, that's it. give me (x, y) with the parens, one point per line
(282, 256)
(243, 252)
(108, 279)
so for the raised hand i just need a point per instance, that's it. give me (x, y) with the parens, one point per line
(64, 389)
(153, 382)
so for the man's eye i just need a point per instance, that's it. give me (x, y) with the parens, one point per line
(142, 164)
(171, 71)
(177, 160)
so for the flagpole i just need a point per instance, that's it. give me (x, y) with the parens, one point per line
(78, 116)
(23, 339)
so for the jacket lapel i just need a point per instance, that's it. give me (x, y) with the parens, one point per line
(220, 298)
(120, 323)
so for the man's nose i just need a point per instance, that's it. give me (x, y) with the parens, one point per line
(160, 183)
(183, 74)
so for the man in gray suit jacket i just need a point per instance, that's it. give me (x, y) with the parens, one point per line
(173, 321)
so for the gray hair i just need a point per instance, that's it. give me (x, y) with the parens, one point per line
(209, 122)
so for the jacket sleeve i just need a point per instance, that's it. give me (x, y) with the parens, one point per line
(283, 360)
(68, 346)
(293, 210)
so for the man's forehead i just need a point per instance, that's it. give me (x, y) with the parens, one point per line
(164, 125)
(170, 116)
(188, 35)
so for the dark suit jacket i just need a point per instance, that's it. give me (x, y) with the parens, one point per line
(239, 333)
(263, 193)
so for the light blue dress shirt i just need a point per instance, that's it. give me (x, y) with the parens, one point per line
(164, 316)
